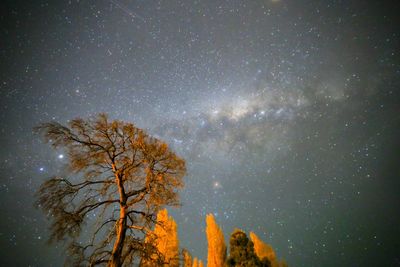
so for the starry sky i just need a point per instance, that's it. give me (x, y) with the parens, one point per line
(287, 113)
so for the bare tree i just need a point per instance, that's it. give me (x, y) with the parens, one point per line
(117, 179)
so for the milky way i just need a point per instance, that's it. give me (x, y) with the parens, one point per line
(286, 112)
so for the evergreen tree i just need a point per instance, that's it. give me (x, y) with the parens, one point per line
(216, 243)
(242, 252)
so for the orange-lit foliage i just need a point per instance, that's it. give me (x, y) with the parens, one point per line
(197, 263)
(165, 238)
(241, 251)
(264, 250)
(118, 177)
(187, 258)
(216, 243)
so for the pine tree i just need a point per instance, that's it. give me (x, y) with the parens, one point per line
(216, 243)
(242, 251)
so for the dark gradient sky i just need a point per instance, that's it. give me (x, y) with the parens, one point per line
(287, 113)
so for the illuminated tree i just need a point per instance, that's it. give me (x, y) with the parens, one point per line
(263, 250)
(165, 239)
(187, 258)
(117, 179)
(242, 252)
(216, 243)
(197, 263)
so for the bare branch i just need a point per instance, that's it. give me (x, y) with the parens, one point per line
(124, 175)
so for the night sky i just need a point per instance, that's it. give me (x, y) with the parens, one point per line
(287, 113)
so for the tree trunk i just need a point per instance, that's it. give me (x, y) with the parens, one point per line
(115, 260)
(116, 253)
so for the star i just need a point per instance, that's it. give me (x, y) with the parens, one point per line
(285, 112)
(216, 185)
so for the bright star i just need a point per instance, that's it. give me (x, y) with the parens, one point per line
(216, 185)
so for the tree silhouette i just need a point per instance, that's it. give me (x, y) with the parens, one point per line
(117, 179)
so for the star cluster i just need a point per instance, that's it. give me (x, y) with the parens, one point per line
(286, 112)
